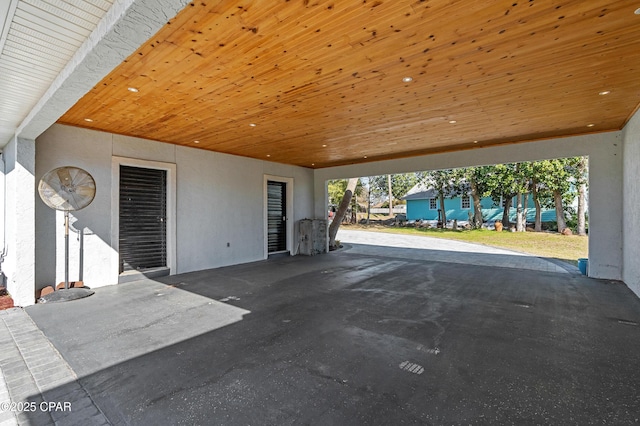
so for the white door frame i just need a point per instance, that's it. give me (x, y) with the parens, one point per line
(170, 168)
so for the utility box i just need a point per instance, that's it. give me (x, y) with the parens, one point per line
(313, 236)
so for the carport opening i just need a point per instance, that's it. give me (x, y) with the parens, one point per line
(538, 207)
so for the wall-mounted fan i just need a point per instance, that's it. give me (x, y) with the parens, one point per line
(67, 189)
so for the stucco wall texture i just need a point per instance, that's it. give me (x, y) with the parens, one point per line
(219, 200)
(631, 207)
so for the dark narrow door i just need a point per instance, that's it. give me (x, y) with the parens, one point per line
(143, 218)
(276, 216)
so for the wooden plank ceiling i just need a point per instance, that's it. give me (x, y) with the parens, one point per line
(321, 83)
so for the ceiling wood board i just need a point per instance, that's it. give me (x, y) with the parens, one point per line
(320, 83)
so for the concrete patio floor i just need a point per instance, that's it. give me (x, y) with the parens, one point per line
(352, 338)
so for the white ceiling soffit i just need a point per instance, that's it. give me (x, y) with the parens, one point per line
(39, 37)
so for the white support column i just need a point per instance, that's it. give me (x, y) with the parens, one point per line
(321, 201)
(3, 209)
(631, 204)
(19, 264)
(605, 209)
(320, 197)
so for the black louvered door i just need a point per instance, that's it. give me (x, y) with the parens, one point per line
(276, 216)
(143, 219)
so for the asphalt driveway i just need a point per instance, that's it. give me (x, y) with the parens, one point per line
(352, 338)
(419, 247)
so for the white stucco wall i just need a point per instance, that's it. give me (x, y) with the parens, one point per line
(19, 157)
(605, 184)
(631, 206)
(219, 200)
(3, 207)
(90, 151)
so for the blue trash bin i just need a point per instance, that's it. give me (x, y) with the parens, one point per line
(583, 265)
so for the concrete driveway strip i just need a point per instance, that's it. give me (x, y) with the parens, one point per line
(442, 250)
(347, 338)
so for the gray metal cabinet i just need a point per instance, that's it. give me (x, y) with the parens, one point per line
(313, 236)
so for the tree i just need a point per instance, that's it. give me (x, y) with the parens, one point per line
(337, 187)
(447, 184)
(556, 177)
(402, 183)
(476, 195)
(522, 185)
(393, 186)
(581, 182)
(554, 183)
(378, 186)
(538, 190)
(368, 199)
(336, 190)
(342, 209)
(476, 176)
(390, 192)
(502, 187)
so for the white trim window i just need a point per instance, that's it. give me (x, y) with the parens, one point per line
(465, 202)
(433, 204)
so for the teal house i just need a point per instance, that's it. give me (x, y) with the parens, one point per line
(423, 204)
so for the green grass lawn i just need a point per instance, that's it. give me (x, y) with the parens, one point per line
(545, 244)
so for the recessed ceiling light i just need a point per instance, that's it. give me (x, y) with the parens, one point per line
(252, 124)
(452, 121)
(324, 146)
(475, 141)
(88, 120)
(365, 156)
(313, 164)
(604, 92)
(268, 155)
(133, 89)
(407, 79)
(590, 125)
(196, 141)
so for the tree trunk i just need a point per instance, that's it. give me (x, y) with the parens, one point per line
(582, 192)
(354, 209)
(390, 196)
(582, 189)
(525, 211)
(536, 202)
(519, 225)
(557, 199)
(342, 209)
(505, 213)
(477, 206)
(444, 212)
(369, 202)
